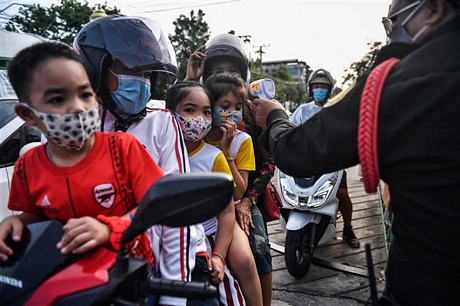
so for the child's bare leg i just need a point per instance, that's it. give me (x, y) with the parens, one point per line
(243, 265)
(266, 283)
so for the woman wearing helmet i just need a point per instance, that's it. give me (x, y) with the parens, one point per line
(224, 52)
(320, 85)
(227, 53)
(129, 60)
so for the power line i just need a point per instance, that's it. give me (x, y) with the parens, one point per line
(187, 6)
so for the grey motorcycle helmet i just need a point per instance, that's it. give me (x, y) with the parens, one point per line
(230, 47)
(320, 76)
(137, 42)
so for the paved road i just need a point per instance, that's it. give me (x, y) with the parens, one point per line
(339, 276)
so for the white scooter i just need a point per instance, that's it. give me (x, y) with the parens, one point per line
(308, 216)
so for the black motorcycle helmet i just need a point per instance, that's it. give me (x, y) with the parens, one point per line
(230, 47)
(136, 42)
(320, 76)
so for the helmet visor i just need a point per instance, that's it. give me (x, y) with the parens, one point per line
(138, 45)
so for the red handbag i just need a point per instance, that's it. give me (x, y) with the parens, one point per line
(272, 203)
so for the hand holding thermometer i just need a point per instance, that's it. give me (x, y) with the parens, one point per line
(263, 89)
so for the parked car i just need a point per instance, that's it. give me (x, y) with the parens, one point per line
(14, 134)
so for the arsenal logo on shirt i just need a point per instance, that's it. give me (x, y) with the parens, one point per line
(105, 194)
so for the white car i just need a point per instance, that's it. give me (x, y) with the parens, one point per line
(14, 135)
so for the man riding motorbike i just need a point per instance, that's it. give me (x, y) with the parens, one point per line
(320, 85)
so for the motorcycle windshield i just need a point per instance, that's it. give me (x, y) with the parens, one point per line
(305, 182)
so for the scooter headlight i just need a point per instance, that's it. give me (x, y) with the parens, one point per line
(286, 192)
(320, 197)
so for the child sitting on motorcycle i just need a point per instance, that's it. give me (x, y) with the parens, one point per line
(81, 177)
(230, 98)
(191, 103)
(125, 75)
(227, 53)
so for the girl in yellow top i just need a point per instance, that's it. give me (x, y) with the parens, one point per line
(229, 98)
(191, 104)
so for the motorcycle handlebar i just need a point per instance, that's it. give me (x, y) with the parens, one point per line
(194, 290)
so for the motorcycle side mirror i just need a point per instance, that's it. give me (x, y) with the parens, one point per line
(179, 200)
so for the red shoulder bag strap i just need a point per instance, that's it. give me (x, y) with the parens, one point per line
(368, 119)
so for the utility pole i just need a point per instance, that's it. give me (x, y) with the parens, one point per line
(261, 52)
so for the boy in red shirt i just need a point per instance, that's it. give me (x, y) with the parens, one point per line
(80, 177)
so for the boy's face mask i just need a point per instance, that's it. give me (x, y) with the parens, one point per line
(193, 128)
(219, 115)
(69, 131)
(132, 94)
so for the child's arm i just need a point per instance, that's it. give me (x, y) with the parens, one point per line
(254, 192)
(82, 235)
(14, 225)
(239, 177)
(223, 238)
(244, 163)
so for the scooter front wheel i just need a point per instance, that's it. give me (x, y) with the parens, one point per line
(297, 253)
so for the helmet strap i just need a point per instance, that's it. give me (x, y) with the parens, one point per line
(122, 124)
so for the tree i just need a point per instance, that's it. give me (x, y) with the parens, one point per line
(189, 34)
(359, 68)
(57, 22)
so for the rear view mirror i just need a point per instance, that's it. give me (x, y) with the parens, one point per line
(181, 199)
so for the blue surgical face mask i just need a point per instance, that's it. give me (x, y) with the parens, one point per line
(319, 95)
(132, 94)
(219, 114)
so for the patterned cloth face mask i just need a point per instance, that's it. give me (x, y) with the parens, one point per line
(194, 128)
(219, 115)
(319, 95)
(132, 94)
(69, 131)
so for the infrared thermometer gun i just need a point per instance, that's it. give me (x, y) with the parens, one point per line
(263, 89)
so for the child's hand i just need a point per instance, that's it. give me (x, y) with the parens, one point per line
(243, 215)
(217, 273)
(9, 226)
(82, 235)
(229, 131)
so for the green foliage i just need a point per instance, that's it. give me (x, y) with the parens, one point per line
(190, 33)
(282, 73)
(57, 22)
(359, 68)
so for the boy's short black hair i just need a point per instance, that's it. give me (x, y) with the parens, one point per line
(25, 63)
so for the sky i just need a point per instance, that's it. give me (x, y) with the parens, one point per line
(323, 33)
